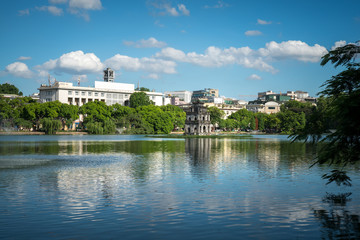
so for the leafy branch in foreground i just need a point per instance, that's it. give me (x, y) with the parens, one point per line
(336, 116)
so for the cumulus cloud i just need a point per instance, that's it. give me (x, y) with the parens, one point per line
(81, 7)
(254, 77)
(151, 65)
(216, 57)
(247, 57)
(164, 8)
(76, 62)
(24, 12)
(337, 44)
(51, 9)
(182, 8)
(253, 33)
(23, 58)
(263, 22)
(19, 69)
(293, 50)
(220, 4)
(148, 43)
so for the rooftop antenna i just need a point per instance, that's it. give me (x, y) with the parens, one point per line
(79, 81)
(138, 88)
(49, 80)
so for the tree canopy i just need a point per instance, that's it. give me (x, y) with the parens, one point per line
(336, 115)
(7, 88)
(138, 99)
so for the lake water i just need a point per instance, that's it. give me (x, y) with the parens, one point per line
(136, 187)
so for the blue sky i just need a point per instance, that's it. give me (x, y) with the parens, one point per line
(238, 47)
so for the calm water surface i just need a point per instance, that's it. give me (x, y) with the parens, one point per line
(136, 187)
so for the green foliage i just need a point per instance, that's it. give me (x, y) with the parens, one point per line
(94, 127)
(96, 111)
(244, 119)
(50, 126)
(7, 88)
(337, 110)
(143, 89)
(176, 114)
(291, 122)
(138, 99)
(215, 115)
(156, 118)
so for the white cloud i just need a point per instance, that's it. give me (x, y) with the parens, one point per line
(148, 43)
(293, 50)
(247, 57)
(24, 12)
(23, 58)
(151, 65)
(263, 22)
(19, 69)
(152, 76)
(86, 4)
(216, 57)
(57, 1)
(76, 62)
(337, 44)
(164, 8)
(253, 33)
(51, 9)
(220, 4)
(83, 78)
(81, 7)
(183, 10)
(254, 77)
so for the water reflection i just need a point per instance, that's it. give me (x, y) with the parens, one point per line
(337, 222)
(204, 188)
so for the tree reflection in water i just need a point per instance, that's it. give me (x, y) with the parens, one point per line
(337, 222)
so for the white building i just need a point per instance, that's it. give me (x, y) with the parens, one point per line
(184, 96)
(108, 91)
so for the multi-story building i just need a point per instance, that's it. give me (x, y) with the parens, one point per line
(183, 97)
(107, 91)
(268, 107)
(204, 95)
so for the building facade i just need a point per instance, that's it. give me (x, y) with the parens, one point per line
(182, 96)
(197, 120)
(107, 91)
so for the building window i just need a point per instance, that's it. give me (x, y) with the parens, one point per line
(70, 92)
(89, 93)
(76, 93)
(48, 93)
(271, 107)
(96, 94)
(82, 93)
(108, 95)
(102, 94)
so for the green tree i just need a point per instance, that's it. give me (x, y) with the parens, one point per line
(244, 119)
(159, 121)
(340, 147)
(215, 115)
(138, 99)
(50, 126)
(98, 118)
(176, 114)
(7, 88)
(143, 89)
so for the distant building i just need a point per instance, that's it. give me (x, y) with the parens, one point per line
(107, 91)
(281, 97)
(204, 95)
(268, 107)
(183, 97)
